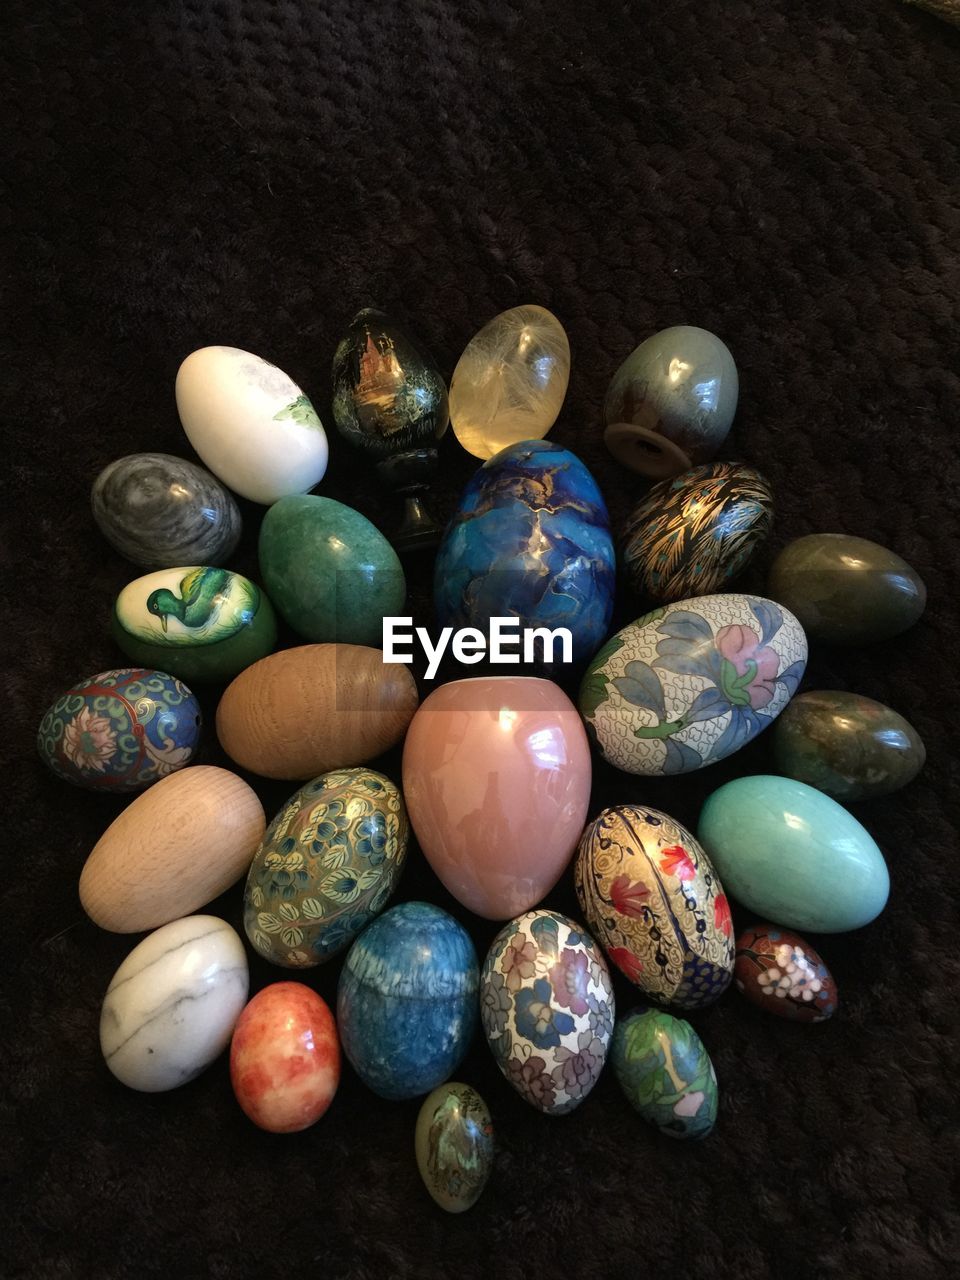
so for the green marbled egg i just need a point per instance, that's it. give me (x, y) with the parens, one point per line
(327, 865)
(666, 1073)
(332, 574)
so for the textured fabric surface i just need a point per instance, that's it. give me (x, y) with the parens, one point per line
(252, 172)
(949, 9)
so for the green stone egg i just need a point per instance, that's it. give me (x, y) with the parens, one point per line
(198, 623)
(794, 856)
(665, 1072)
(847, 745)
(328, 863)
(332, 575)
(846, 591)
(454, 1145)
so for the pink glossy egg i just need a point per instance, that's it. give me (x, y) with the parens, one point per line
(496, 776)
(285, 1058)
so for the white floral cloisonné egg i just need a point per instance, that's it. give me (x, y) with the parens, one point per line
(547, 1006)
(689, 684)
(250, 423)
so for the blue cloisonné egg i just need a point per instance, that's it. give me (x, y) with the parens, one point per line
(328, 863)
(531, 540)
(121, 730)
(689, 684)
(547, 1006)
(656, 905)
(407, 1000)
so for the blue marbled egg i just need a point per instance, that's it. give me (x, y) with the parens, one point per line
(407, 1000)
(531, 540)
(121, 730)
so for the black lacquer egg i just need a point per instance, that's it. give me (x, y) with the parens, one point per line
(390, 402)
(690, 536)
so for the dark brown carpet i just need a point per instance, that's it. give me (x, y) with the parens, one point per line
(253, 171)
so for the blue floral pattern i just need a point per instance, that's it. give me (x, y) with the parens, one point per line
(547, 1007)
(328, 864)
(689, 684)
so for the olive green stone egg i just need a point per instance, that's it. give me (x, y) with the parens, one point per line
(454, 1145)
(847, 745)
(666, 1073)
(845, 590)
(332, 574)
(328, 864)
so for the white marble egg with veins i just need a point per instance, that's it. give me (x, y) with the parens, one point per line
(251, 424)
(173, 1003)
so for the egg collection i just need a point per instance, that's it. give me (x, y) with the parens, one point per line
(496, 773)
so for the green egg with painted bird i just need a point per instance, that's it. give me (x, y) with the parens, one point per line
(200, 623)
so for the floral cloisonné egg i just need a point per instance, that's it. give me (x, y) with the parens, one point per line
(530, 539)
(328, 863)
(691, 535)
(121, 730)
(656, 905)
(779, 972)
(689, 684)
(547, 1006)
(665, 1072)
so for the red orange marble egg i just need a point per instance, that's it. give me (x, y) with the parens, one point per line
(285, 1058)
(779, 972)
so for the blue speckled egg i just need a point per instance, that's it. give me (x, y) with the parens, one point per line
(530, 539)
(121, 730)
(407, 1000)
(327, 865)
(547, 1005)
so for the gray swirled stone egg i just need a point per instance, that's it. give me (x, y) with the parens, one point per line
(158, 511)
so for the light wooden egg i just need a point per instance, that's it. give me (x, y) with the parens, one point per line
(301, 712)
(174, 849)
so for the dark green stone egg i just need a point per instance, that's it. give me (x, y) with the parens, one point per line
(846, 590)
(847, 745)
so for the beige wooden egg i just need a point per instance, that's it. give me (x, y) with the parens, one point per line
(301, 712)
(174, 849)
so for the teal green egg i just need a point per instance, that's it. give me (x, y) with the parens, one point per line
(663, 1068)
(332, 574)
(793, 855)
(328, 863)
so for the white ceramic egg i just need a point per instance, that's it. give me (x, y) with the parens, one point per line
(250, 423)
(173, 1003)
